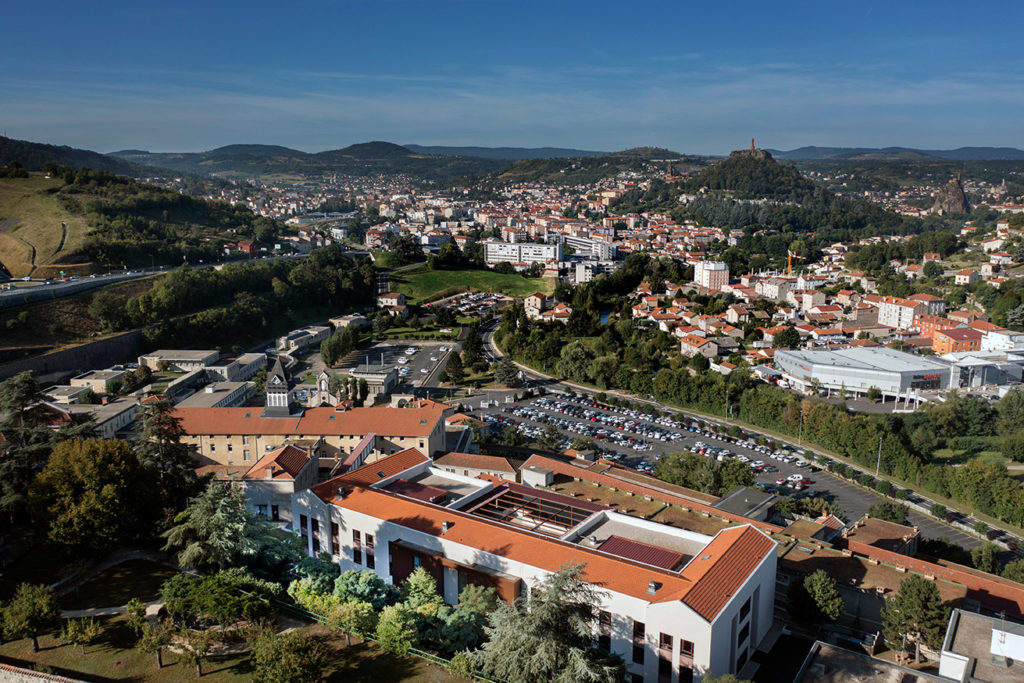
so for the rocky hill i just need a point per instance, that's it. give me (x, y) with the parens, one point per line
(951, 198)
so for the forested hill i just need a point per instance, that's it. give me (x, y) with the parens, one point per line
(754, 174)
(135, 224)
(35, 155)
(776, 208)
(362, 159)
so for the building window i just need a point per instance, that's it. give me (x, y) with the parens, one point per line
(275, 513)
(230, 448)
(315, 526)
(744, 632)
(638, 654)
(416, 562)
(261, 510)
(636, 678)
(685, 673)
(745, 610)
(245, 440)
(371, 561)
(665, 642)
(245, 454)
(664, 669)
(213, 447)
(357, 547)
(604, 630)
(741, 660)
(303, 525)
(334, 538)
(686, 648)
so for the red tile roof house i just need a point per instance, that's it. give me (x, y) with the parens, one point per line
(699, 602)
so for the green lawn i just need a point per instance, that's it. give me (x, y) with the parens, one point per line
(421, 285)
(114, 658)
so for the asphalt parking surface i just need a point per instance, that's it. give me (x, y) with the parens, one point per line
(389, 353)
(852, 500)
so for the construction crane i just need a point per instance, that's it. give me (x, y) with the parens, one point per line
(789, 260)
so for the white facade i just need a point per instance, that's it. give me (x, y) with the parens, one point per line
(898, 313)
(722, 645)
(711, 274)
(501, 252)
(1002, 340)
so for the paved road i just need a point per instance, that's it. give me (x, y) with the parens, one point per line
(19, 296)
(853, 500)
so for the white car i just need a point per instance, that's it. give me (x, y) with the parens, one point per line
(443, 349)
(403, 360)
(410, 351)
(424, 371)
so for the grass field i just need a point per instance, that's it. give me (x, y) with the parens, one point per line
(30, 217)
(114, 658)
(421, 285)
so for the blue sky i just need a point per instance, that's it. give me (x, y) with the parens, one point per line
(700, 77)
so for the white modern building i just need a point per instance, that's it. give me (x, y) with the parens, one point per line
(674, 604)
(856, 370)
(503, 252)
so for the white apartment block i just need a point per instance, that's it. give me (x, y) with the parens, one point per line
(899, 313)
(712, 275)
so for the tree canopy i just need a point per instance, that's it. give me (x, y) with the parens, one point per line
(547, 636)
(94, 493)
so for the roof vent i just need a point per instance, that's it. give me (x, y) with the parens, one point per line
(706, 557)
(445, 526)
(380, 475)
(248, 414)
(652, 587)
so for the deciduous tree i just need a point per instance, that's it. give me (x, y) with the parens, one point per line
(94, 494)
(287, 657)
(30, 613)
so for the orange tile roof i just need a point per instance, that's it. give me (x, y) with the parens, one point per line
(313, 422)
(286, 462)
(723, 566)
(370, 473)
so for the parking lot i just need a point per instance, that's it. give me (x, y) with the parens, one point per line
(470, 304)
(417, 362)
(637, 440)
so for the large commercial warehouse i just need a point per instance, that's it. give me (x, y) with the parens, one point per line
(859, 369)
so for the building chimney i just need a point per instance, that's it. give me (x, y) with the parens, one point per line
(652, 587)
(270, 471)
(445, 526)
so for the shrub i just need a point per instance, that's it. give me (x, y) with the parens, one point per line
(938, 511)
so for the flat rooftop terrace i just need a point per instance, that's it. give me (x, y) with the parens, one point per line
(831, 664)
(642, 543)
(972, 637)
(536, 510)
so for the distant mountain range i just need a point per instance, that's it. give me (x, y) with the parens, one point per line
(510, 153)
(897, 153)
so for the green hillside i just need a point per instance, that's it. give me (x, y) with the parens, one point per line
(111, 221)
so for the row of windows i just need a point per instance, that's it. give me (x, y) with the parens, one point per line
(665, 645)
